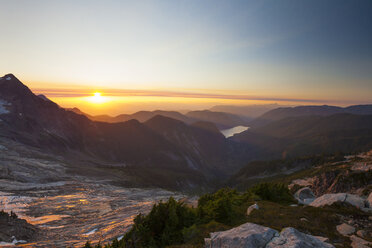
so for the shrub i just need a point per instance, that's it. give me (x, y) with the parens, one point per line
(276, 192)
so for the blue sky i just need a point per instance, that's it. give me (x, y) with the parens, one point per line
(297, 49)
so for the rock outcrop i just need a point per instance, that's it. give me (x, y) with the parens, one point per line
(304, 196)
(353, 176)
(251, 235)
(329, 199)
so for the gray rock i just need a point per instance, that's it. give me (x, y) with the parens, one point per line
(251, 208)
(369, 200)
(207, 243)
(345, 229)
(329, 199)
(246, 235)
(292, 238)
(357, 242)
(356, 201)
(304, 196)
(250, 235)
(361, 233)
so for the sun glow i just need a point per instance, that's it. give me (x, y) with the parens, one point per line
(97, 98)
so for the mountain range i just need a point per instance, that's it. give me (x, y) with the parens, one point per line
(150, 151)
(172, 150)
(222, 120)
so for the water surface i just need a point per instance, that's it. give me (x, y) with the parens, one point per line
(235, 130)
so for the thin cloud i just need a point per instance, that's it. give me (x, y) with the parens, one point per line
(153, 93)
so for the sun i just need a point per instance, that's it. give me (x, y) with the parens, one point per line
(97, 98)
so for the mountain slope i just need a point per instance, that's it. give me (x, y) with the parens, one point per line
(305, 135)
(325, 110)
(139, 148)
(206, 148)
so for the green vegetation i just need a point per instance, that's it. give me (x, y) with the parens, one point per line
(275, 192)
(173, 224)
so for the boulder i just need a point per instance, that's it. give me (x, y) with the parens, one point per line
(247, 235)
(329, 199)
(357, 242)
(361, 233)
(345, 229)
(304, 196)
(292, 238)
(356, 201)
(251, 208)
(323, 239)
(369, 200)
(250, 235)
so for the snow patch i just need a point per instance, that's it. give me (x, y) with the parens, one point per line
(14, 242)
(8, 78)
(120, 238)
(91, 232)
(3, 105)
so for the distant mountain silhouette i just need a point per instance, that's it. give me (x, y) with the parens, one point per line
(221, 119)
(250, 111)
(325, 110)
(141, 116)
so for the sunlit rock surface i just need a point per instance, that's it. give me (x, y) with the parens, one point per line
(67, 208)
(71, 214)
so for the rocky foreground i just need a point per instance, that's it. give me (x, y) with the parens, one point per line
(252, 235)
(329, 205)
(342, 193)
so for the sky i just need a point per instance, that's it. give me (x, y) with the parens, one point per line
(188, 54)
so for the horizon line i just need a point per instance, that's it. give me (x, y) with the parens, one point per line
(173, 94)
